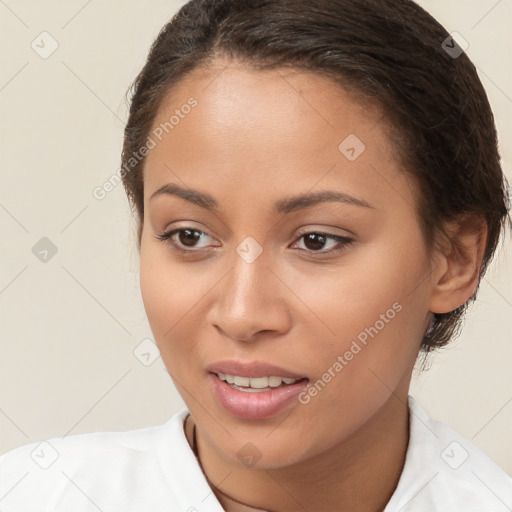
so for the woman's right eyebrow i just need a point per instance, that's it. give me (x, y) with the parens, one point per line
(286, 205)
(201, 199)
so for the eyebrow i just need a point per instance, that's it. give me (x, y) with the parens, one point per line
(286, 205)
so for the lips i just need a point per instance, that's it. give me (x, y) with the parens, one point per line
(258, 405)
(252, 369)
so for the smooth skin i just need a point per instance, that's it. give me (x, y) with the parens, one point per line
(254, 138)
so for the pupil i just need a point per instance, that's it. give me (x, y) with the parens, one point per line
(311, 238)
(190, 238)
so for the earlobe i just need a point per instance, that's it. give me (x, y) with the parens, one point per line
(457, 271)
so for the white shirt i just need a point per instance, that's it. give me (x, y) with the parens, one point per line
(154, 469)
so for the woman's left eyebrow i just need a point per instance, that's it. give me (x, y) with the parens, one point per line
(286, 205)
(300, 201)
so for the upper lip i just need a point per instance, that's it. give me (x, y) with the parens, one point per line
(251, 369)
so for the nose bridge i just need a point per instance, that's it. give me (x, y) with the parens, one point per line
(248, 288)
(249, 299)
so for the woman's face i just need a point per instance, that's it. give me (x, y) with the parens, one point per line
(261, 282)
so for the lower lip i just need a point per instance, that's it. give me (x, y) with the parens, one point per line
(255, 405)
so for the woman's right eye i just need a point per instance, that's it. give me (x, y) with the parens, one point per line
(187, 237)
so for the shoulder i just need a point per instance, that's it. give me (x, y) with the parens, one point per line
(77, 470)
(445, 471)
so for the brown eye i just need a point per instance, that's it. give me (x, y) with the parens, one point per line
(188, 237)
(186, 240)
(314, 242)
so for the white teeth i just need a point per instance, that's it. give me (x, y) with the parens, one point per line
(242, 381)
(255, 382)
(273, 382)
(258, 383)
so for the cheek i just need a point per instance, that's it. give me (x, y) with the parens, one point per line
(171, 298)
(370, 311)
(352, 296)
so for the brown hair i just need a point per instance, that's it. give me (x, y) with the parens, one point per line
(391, 51)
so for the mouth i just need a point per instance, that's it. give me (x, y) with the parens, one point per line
(254, 390)
(252, 369)
(257, 384)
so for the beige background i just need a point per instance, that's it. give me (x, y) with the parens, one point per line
(69, 327)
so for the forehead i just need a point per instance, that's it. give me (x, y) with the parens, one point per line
(268, 130)
(235, 98)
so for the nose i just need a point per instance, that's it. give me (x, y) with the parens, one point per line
(251, 300)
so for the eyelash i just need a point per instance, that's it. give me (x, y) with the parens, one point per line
(345, 241)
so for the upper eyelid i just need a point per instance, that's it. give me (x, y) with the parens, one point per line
(302, 231)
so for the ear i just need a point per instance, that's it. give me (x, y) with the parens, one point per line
(457, 269)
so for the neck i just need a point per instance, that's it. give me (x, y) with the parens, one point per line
(359, 474)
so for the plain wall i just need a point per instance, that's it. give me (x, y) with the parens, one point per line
(69, 326)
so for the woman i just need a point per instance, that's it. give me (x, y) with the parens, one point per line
(318, 192)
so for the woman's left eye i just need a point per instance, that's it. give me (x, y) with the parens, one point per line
(313, 240)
